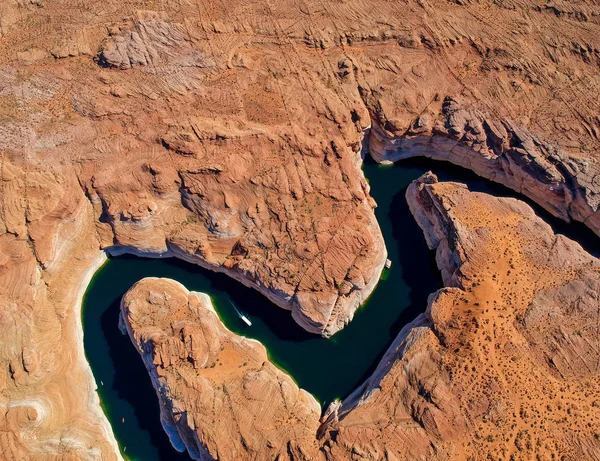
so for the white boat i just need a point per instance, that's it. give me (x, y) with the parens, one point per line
(246, 320)
(241, 315)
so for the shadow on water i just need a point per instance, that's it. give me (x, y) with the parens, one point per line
(277, 320)
(418, 262)
(328, 369)
(142, 397)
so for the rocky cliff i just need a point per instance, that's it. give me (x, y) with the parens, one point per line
(504, 362)
(220, 396)
(230, 134)
(501, 151)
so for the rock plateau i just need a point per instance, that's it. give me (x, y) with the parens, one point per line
(230, 134)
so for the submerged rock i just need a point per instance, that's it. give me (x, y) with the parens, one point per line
(220, 396)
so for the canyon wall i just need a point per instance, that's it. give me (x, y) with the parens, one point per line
(230, 134)
(499, 150)
(504, 362)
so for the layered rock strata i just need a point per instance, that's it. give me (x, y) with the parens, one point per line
(502, 365)
(229, 133)
(504, 362)
(501, 151)
(220, 396)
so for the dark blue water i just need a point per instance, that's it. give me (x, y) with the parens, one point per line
(328, 368)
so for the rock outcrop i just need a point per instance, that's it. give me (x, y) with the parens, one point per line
(503, 152)
(502, 365)
(230, 134)
(504, 362)
(220, 396)
(150, 40)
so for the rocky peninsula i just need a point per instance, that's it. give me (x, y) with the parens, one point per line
(220, 396)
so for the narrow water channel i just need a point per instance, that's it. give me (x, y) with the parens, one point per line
(327, 368)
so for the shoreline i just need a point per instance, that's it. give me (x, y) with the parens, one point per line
(93, 401)
(208, 299)
(173, 251)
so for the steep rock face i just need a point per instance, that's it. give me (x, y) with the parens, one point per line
(274, 96)
(501, 151)
(220, 396)
(504, 362)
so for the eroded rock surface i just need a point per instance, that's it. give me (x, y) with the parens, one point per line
(150, 40)
(499, 150)
(229, 134)
(220, 396)
(504, 362)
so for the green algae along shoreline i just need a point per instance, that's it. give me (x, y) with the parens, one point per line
(327, 368)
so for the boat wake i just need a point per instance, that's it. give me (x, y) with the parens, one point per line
(241, 315)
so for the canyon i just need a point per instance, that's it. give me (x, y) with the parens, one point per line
(231, 135)
(504, 355)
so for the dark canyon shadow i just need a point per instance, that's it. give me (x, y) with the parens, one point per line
(417, 263)
(328, 368)
(128, 368)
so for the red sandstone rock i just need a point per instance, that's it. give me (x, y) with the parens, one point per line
(220, 396)
(236, 145)
(504, 361)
